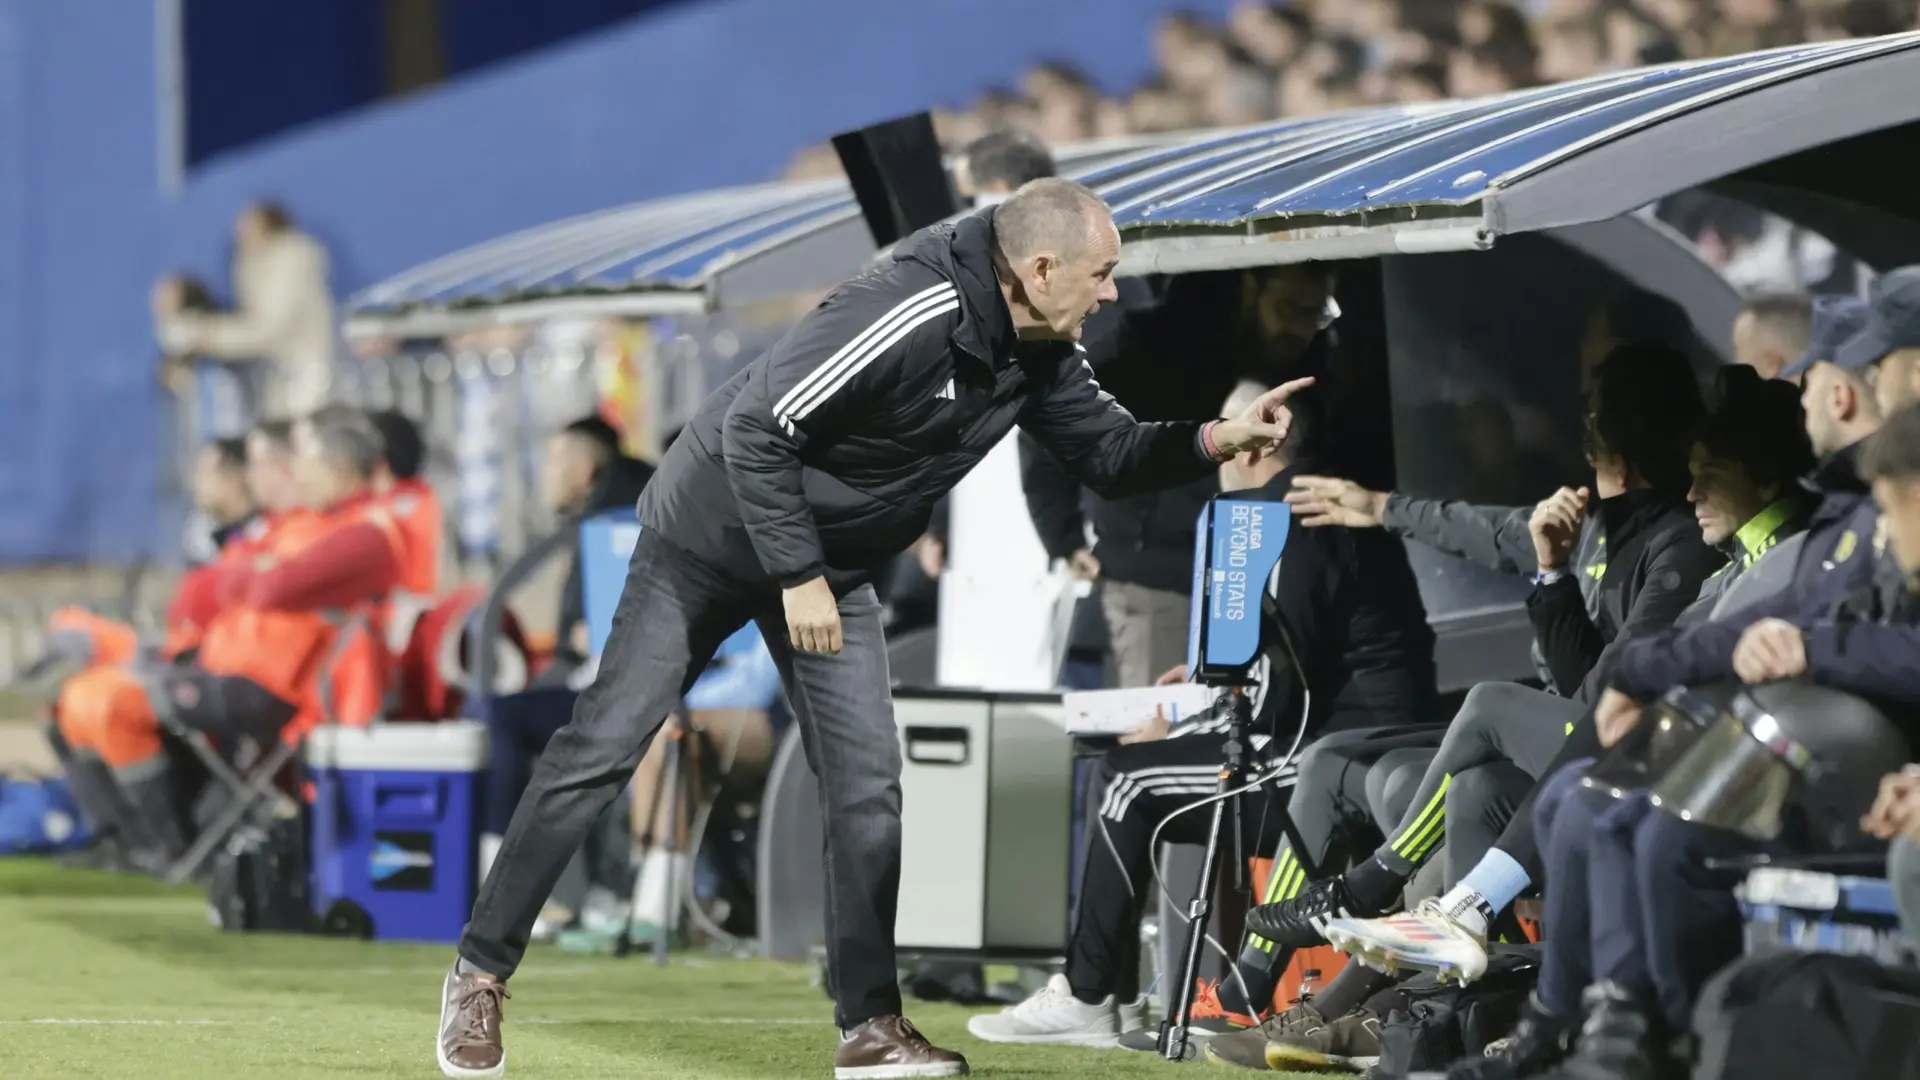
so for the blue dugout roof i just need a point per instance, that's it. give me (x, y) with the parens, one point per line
(1441, 177)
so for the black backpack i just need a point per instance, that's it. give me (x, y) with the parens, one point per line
(1429, 1024)
(1793, 1015)
(259, 879)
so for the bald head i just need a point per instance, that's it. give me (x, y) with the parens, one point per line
(1058, 250)
(1051, 214)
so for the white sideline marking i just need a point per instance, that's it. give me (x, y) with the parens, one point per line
(138, 1023)
(726, 1021)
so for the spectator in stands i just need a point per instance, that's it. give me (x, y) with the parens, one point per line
(1771, 332)
(1273, 34)
(1494, 68)
(1571, 47)
(1626, 569)
(283, 317)
(1649, 918)
(583, 475)
(1156, 108)
(1492, 22)
(1242, 94)
(179, 294)
(1356, 635)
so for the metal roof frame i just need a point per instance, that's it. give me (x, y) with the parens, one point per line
(1450, 176)
(1458, 175)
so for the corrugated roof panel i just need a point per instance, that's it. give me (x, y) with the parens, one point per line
(1409, 177)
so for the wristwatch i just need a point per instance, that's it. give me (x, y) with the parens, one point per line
(1548, 577)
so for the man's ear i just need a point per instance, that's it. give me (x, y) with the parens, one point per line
(1044, 265)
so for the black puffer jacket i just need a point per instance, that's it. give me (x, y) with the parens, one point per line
(827, 454)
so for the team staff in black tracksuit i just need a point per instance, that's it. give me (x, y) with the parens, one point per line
(1347, 603)
(1642, 553)
(813, 467)
(1168, 356)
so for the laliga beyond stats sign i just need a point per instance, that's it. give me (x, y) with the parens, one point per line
(1237, 544)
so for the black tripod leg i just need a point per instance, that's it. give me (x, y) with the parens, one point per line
(1174, 1032)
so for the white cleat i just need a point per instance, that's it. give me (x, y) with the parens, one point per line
(1424, 939)
(1054, 1017)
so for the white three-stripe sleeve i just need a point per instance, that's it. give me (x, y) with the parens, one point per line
(845, 363)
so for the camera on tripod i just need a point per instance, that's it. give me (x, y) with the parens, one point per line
(1237, 548)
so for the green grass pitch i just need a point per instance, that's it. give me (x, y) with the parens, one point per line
(111, 976)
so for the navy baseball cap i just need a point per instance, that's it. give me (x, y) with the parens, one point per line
(1836, 321)
(1893, 320)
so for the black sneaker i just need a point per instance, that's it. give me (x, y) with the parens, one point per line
(1539, 1041)
(1299, 923)
(1618, 1042)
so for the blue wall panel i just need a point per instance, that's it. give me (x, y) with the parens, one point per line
(689, 96)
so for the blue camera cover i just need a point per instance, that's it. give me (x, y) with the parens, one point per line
(1237, 544)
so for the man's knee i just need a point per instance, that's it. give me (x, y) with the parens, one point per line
(1667, 849)
(1484, 795)
(1559, 791)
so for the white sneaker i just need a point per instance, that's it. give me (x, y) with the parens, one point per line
(1052, 1017)
(1424, 939)
(1133, 1015)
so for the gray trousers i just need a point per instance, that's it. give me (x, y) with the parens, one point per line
(1148, 628)
(673, 614)
(1499, 722)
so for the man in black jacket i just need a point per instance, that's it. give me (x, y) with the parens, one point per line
(813, 467)
(1348, 647)
(1141, 548)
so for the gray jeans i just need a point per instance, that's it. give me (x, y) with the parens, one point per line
(1148, 628)
(674, 612)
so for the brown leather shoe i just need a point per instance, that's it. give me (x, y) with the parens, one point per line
(890, 1048)
(469, 1043)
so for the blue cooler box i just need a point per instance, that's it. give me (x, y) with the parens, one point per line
(395, 821)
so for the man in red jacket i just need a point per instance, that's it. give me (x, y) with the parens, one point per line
(259, 664)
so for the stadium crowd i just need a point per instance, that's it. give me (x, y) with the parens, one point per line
(1284, 59)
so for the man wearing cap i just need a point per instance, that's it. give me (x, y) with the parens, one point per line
(1837, 559)
(1836, 320)
(1888, 350)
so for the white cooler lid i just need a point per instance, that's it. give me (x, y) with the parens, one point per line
(449, 746)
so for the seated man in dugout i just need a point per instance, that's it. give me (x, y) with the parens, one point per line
(259, 668)
(1348, 647)
(1746, 458)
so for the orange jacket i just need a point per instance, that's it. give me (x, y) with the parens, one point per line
(317, 571)
(416, 510)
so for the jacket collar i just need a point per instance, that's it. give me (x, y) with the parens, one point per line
(962, 251)
(1766, 529)
(1840, 472)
